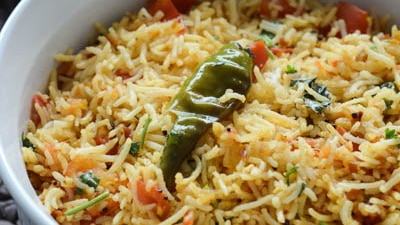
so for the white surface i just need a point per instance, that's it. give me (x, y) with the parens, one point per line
(33, 34)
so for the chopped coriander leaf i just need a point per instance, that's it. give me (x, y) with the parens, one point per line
(267, 37)
(87, 204)
(144, 132)
(302, 187)
(215, 203)
(78, 191)
(134, 149)
(388, 103)
(290, 69)
(373, 47)
(322, 223)
(288, 173)
(27, 143)
(90, 179)
(390, 85)
(390, 134)
(268, 34)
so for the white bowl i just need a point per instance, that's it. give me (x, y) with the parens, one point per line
(36, 31)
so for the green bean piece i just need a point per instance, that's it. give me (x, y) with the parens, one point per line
(197, 103)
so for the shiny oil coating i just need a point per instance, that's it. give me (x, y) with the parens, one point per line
(197, 103)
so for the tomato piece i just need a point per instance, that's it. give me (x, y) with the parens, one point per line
(166, 6)
(354, 17)
(340, 130)
(188, 218)
(260, 53)
(37, 99)
(183, 6)
(154, 195)
(279, 51)
(80, 163)
(283, 7)
(124, 74)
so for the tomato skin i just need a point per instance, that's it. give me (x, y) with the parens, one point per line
(166, 6)
(266, 7)
(260, 53)
(154, 195)
(183, 6)
(188, 218)
(37, 99)
(80, 163)
(280, 51)
(354, 17)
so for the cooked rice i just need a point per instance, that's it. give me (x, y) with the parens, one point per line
(237, 173)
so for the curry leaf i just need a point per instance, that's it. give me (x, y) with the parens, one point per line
(390, 85)
(27, 143)
(144, 132)
(309, 100)
(294, 82)
(388, 103)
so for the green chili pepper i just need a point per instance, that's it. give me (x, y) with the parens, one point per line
(197, 103)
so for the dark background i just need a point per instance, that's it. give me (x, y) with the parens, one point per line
(8, 209)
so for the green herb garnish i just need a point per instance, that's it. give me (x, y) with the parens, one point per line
(388, 103)
(288, 173)
(144, 132)
(27, 143)
(390, 134)
(290, 69)
(302, 187)
(309, 99)
(78, 191)
(267, 37)
(87, 204)
(134, 149)
(137, 146)
(89, 179)
(322, 223)
(390, 85)
(270, 54)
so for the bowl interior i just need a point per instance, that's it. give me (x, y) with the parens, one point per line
(29, 39)
(28, 42)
